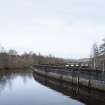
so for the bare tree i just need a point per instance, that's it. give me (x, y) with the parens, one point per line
(12, 52)
(102, 48)
(95, 53)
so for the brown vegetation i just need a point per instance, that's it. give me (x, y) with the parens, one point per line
(12, 59)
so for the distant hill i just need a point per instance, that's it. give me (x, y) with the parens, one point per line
(77, 60)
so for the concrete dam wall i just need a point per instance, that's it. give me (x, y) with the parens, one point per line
(89, 79)
(82, 94)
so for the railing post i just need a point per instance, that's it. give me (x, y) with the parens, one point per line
(103, 65)
(78, 77)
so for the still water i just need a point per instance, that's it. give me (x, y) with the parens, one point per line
(23, 87)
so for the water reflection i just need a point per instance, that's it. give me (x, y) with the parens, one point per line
(18, 87)
(24, 87)
(7, 76)
(88, 97)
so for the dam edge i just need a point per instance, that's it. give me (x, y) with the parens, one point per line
(89, 83)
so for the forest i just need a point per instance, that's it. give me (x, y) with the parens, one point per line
(12, 60)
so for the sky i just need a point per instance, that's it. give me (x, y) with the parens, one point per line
(63, 28)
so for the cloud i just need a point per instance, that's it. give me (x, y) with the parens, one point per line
(64, 28)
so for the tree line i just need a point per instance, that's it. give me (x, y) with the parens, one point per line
(12, 59)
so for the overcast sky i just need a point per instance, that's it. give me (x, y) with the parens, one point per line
(63, 28)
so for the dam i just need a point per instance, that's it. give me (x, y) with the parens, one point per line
(89, 78)
(81, 94)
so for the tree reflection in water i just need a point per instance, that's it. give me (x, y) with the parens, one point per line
(7, 76)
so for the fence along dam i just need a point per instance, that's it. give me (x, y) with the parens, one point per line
(89, 78)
